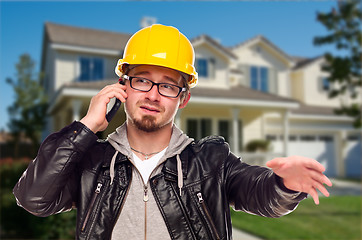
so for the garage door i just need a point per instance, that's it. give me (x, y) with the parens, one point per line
(353, 156)
(319, 147)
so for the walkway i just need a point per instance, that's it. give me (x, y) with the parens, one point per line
(240, 235)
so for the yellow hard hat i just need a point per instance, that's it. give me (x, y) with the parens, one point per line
(161, 46)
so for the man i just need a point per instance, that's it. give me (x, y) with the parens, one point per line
(148, 180)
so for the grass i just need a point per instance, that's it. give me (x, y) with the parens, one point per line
(335, 218)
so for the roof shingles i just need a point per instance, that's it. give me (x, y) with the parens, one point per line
(85, 37)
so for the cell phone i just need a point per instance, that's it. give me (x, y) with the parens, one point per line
(116, 105)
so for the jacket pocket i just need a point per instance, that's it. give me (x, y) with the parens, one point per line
(208, 216)
(91, 206)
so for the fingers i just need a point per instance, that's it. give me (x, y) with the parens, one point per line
(321, 188)
(314, 195)
(95, 119)
(315, 165)
(317, 182)
(114, 90)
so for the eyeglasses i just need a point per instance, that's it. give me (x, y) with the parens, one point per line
(145, 85)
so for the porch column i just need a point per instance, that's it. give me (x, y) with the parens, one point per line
(76, 106)
(340, 153)
(235, 112)
(286, 132)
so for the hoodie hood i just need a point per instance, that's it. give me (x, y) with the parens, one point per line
(178, 142)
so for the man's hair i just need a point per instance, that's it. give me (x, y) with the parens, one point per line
(185, 83)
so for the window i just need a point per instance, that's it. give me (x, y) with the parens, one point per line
(293, 138)
(192, 128)
(307, 138)
(91, 69)
(240, 135)
(201, 67)
(198, 128)
(271, 137)
(224, 129)
(353, 138)
(325, 138)
(325, 84)
(259, 78)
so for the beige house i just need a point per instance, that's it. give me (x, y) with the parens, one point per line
(253, 91)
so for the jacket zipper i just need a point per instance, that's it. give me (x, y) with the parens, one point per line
(145, 199)
(91, 205)
(203, 205)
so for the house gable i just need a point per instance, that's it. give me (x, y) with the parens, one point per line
(308, 83)
(65, 47)
(260, 42)
(265, 66)
(212, 62)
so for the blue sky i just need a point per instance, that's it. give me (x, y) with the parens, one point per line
(291, 25)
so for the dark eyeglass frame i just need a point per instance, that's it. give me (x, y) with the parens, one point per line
(130, 78)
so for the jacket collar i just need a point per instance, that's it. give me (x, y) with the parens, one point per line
(170, 167)
(178, 142)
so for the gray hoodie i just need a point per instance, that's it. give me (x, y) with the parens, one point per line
(140, 217)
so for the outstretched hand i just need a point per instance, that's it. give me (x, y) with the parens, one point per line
(301, 174)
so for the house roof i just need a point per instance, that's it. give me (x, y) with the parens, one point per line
(86, 37)
(239, 92)
(261, 38)
(303, 62)
(214, 43)
(89, 85)
(235, 93)
(314, 110)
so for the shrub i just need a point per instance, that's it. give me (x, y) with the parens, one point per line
(16, 223)
(257, 145)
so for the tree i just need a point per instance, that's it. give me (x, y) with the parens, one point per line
(344, 26)
(28, 111)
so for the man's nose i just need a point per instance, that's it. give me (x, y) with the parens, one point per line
(153, 94)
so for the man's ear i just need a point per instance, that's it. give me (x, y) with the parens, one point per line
(184, 102)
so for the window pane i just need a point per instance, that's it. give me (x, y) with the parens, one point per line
(201, 67)
(192, 128)
(97, 71)
(240, 135)
(264, 79)
(254, 77)
(224, 129)
(205, 127)
(325, 84)
(84, 69)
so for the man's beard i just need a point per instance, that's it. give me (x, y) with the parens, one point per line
(147, 124)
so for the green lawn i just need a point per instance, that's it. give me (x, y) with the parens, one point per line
(335, 218)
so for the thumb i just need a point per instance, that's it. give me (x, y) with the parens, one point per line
(274, 163)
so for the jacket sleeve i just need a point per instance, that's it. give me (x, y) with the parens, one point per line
(45, 187)
(258, 190)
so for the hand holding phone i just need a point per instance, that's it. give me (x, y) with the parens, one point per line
(116, 105)
(97, 118)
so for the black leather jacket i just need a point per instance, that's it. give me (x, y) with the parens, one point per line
(72, 165)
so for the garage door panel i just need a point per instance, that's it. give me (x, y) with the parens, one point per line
(320, 148)
(353, 156)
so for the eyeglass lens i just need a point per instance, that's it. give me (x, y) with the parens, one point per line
(145, 85)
